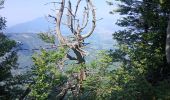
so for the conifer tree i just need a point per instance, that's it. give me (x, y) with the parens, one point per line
(141, 50)
(9, 86)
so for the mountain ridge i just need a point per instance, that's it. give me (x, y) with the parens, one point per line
(33, 26)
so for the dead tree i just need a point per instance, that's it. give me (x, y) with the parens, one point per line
(76, 27)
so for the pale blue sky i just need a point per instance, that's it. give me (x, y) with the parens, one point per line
(20, 11)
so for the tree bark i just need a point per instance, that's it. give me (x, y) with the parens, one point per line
(168, 43)
(76, 27)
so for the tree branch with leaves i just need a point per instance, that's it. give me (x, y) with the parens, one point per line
(73, 47)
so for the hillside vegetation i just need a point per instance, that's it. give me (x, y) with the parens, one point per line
(137, 67)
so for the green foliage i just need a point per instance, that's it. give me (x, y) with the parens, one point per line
(130, 84)
(47, 37)
(140, 57)
(106, 83)
(162, 90)
(6, 44)
(2, 23)
(2, 19)
(10, 85)
(97, 84)
(141, 51)
(46, 74)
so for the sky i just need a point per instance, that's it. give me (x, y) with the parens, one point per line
(20, 11)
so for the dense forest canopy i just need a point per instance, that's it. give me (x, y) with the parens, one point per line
(137, 69)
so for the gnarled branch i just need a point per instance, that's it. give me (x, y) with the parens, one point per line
(93, 21)
(58, 23)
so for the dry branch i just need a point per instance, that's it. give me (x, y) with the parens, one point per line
(76, 44)
(93, 21)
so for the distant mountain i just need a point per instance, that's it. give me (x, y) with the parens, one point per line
(34, 26)
(25, 33)
(102, 36)
(30, 42)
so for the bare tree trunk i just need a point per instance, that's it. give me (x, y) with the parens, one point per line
(168, 43)
(76, 26)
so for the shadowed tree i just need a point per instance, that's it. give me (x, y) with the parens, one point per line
(168, 43)
(9, 86)
(141, 49)
(2, 19)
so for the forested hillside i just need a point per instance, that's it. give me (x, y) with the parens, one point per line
(71, 67)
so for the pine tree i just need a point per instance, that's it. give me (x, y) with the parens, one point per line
(142, 49)
(9, 85)
(144, 35)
